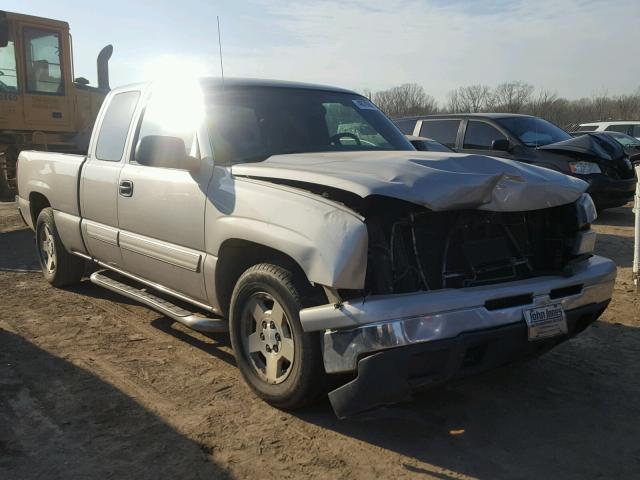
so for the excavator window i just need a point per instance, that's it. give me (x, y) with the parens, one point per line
(43, 61)
(8, 74)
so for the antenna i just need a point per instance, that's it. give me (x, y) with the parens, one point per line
(220, 48)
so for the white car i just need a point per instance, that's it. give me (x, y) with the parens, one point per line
(628, 127)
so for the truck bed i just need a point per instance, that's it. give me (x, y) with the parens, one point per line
(54, 174)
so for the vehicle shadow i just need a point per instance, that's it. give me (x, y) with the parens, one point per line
(573, 413)
(616, 247)
(616, 217)
(18, 252)
(59, 421)
(209, 343)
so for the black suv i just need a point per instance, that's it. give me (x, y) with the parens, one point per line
(595, 157)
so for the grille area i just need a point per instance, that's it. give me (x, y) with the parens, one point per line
(415, 249)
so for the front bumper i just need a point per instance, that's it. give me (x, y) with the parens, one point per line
(391, 376)
(359, 329)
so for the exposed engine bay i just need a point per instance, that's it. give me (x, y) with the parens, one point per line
(413, 249)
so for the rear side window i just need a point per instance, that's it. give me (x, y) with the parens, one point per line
(480, 135)
(115, 126)
(636, 131)
(587, 128)
(406, 126)
(443, 131)
(618, 128)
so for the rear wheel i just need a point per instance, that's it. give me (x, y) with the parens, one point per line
(59, 267)
(279, 361)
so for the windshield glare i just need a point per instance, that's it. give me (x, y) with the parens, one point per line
(250, 124)
(533, 131)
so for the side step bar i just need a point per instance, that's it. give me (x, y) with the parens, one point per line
(196, 321)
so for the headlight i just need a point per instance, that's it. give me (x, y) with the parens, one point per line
(586, 210)
(584, 168)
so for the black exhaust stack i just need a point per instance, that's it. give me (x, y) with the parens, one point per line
(103, 67)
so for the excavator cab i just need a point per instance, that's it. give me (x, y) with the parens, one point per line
(42, 105)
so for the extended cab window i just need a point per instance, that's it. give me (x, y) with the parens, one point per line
(43, 61)
(480, 135)
(115, 126)
(8, 74)
(443, 131)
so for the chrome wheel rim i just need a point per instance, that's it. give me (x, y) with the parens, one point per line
(267, 338)
(47, 249)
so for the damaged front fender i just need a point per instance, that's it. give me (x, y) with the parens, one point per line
(327, 240)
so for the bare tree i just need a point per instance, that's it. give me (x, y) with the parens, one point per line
(510, 97)
(406, 99)
(514, 97)
(471, 99)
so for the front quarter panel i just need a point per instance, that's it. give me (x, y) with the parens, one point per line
(327, 240)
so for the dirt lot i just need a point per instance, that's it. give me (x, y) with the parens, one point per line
(92, 386)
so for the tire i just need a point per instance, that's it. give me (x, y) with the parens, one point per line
(59, 267)
(267, 295)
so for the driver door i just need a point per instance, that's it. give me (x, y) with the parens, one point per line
(161, 207)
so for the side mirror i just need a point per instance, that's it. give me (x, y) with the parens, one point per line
(502, 145)
(165, 152)
(4, 30)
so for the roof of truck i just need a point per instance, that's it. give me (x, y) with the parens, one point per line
(261, 82)
(217, 82)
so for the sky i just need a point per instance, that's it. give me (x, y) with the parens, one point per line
(575, 48)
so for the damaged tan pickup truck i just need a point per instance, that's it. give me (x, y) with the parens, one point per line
(300, 219)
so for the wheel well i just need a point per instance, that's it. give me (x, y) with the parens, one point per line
(37, 203)
(236, 256)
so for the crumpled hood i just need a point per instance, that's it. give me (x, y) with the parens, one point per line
(438, 181)
(595, 144)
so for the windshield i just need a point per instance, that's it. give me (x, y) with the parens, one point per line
(625, 140)
(249, 124)
(533, 131)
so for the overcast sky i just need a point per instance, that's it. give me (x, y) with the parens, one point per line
(573, 47)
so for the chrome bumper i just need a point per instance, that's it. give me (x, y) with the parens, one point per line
(377, 323)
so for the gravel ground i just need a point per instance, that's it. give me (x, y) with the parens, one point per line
(94, 386)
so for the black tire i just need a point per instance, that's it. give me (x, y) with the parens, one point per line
(67, 269)
(306, 377)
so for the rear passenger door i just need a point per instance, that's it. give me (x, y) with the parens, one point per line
(479, 136)
(100, 174)
(443, 130)
(161, 203)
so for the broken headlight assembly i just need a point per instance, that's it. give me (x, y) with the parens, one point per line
(585, 210)
(584, 168)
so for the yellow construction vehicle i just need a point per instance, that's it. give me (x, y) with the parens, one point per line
(42, 105)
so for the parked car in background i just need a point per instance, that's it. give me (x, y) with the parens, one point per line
(256, 207)
(631, 128)
(597, 159)
(423, 144)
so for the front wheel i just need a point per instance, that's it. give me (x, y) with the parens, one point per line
(280, 362)
(59, 267)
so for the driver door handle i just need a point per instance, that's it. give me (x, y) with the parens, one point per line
(126, 188)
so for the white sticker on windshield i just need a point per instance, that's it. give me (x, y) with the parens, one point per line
(363, 104)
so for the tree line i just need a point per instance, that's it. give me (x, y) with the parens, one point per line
(411, 99)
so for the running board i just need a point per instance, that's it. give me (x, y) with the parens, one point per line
(196, 321)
